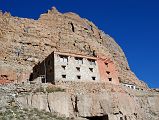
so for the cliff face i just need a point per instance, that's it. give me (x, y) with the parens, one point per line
(92, 105)
(25, 42)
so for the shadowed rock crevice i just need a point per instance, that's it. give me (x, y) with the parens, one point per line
(105, 117)
(72, 27)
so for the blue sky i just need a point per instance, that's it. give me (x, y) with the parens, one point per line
(134, 24)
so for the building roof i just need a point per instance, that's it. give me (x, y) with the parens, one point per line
(75, 55)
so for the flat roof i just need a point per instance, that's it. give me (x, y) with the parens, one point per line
(75, 55)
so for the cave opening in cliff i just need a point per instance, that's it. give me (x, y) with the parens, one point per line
(105, 117)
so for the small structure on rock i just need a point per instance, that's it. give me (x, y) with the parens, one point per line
(132, 86)
(60, 66)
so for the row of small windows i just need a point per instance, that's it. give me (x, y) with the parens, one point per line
(77, 59)
(77, 68)
(78, 77)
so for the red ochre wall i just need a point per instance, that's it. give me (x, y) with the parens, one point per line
(110, 67)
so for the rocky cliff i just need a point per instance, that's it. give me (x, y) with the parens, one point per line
(25, 42)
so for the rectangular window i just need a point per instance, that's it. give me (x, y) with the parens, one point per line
(42, 77)
(63, 58)
(63, 76)
(132, 87)
(106, 64)
(92, 62)
(63, 67)
(78, 77)
(108, 72)
(79, 60)
(91, 69)
(78, 69)
(110, 79)
(93, 78)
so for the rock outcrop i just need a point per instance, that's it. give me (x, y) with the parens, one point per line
(25, 42)
(118, 104)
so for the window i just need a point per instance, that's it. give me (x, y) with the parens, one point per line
(92, 62)
(63, 67)
(132, 87)
(63, 58)
(106, 64)
(91, 69)
(78, 77)
(63, 76)
(43, 78)
(93, 78)
(110, 79)
(78, 68)
(108, 72)
(79, 60)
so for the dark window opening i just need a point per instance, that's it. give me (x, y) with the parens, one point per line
(78, 68)
(93, 78)
(106, 64)
(43, 78)
(78, 77)
(108, 72)
(110, 79)
(63, 67)
(91, 69)
(92, 62)
(63, 76)
(79, 60)
(63, 58)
